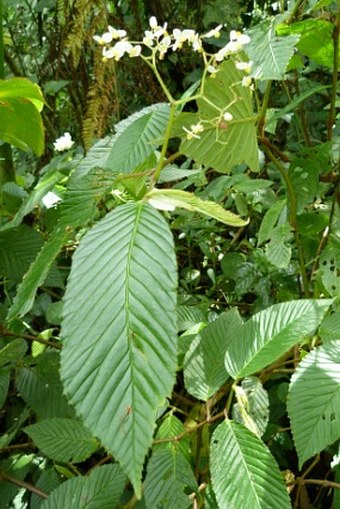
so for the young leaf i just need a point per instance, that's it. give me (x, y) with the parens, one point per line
(252, 406)
(171, 427)
(169, 480)
(169, 199)
(243, 471)
(63, 439)
(270, 333)
(204, 370)
(221, 144)
(269, 221)
(314, 401)
(102, 489)
(270, 54)
(119, 355)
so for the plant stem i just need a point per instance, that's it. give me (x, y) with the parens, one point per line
(262, 116)
(167, 135)
(331, 115)
(292, 220)
(23, 484)
(29, 337)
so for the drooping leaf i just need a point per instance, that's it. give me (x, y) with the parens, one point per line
(101, 489)
(37, 274)
(314, 401)
(252, 406)
(63, 439)
(269, 53)
(204, 370)
(21, 123)
(243, 471)
(169, 199)
(119, 354)
(169, 480)
(222, 144)
(270, 333)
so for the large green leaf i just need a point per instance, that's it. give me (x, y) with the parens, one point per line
(21, 123)
(47, 482)
(270, 333)
(270, 54)
(243, 471)
(315, 39)
(204, 370)
(169, 428)
(63, 439)
(169, 199)
(314, 401)
(102, 489)
(222, 144)
(37, 274)
(119, 355)
(13, 352)
(169, 480)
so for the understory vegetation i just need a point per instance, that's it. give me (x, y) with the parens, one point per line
(169, 254)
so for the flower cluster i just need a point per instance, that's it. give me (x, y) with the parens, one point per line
(157, 39)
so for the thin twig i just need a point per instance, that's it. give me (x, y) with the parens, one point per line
(22, 484)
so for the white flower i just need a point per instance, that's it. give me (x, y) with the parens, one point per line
(135, 51)
(107, 37)
(50, 199)
(63, 143)
(194, 131)
(215, 32)
(153, 22)
(116, 34)
(227, 116)
(186, 35)
(239, 37)
(244, 66)
(246, 82)
(157, 30)
(212, 70)
(163, 46)
(118, 50)
(148, 38)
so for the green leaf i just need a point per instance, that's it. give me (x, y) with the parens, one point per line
(169, 199)
(37, 274)
(252, 407)
(45, 184)
(222, 145)
(270, 333)
(119, 354)
(169, 480)
(277, 251)
(270, 54)
(13, 352)
(314, 401)
(330, 327)
(269, 221)
(243, 471)
(63, 439)
(171, 427)
(137, 137)
(204, 370)
(47, 482)
(18, 249)
(101, 489)
(4, 384)
(315, 39)
(21, 123)
(40, 387)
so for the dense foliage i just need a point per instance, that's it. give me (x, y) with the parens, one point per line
(169, 254)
